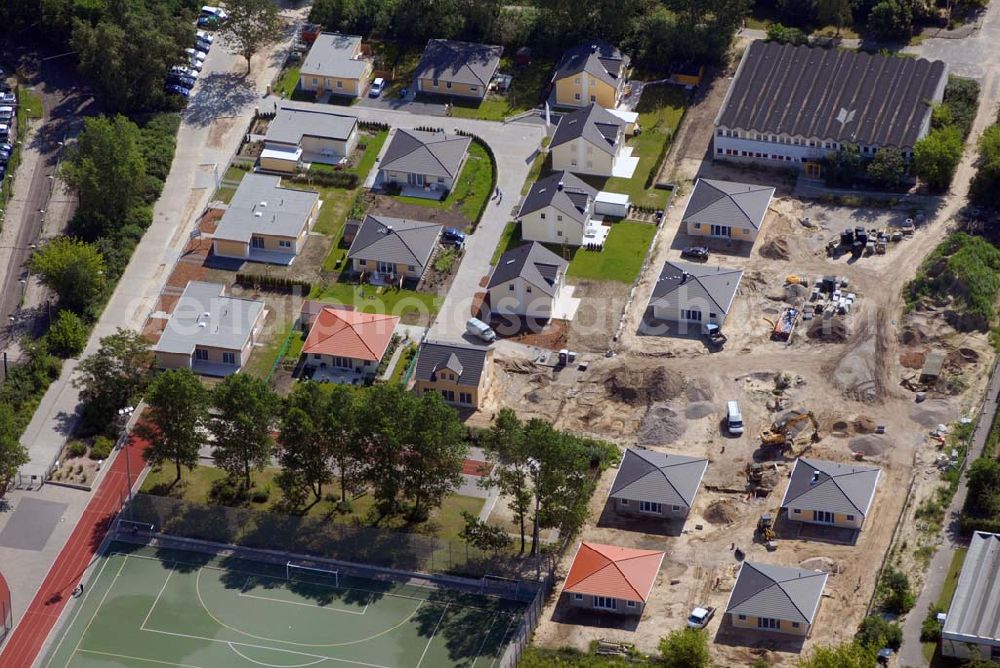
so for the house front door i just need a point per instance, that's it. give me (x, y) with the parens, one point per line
(415, 180)
(256, 242)
(386, 267)
(824, 516)
(722, 231)
(812, 170)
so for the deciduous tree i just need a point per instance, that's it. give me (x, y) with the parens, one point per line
(252, 25)
(305, 466)
(12, 454)
(339, 430)
(432, 464)
(67, 336)
(684, 648)
(244, 412)
(173, 423)
(72, 269)
(484, 536)
(834, 12)
(114, 377)
(106, 167)
(936, 156)
(388, 417)
(507, 452)
(887, 168)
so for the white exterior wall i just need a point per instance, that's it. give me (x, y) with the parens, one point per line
(574, 157)
(675, 314)
(535, 228)
(513, 298)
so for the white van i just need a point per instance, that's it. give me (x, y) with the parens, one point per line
(734, 419)
(480, 329)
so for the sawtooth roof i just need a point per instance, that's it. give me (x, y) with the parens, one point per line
(832, 94)
(345, 333)
(533, 262)
(716, 285)
(396, 240)
(597, 58)
(618, 572)
(838, 488)
(422, 152)
(647, 475)
(466, 360)
(595, 124)
(462, 62)
(778, 592)
(727, 203)
(974, 615)
(565, 192)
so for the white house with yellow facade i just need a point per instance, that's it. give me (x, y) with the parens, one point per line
(460, 372)
(393, 249)
(296, 138)
(458, 69)
(335, 65)
(726, 210)
(593, 72)
(775, 599)
(592, 141)
(822, 492)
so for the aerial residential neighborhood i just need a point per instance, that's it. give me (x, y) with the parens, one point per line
(540, 334)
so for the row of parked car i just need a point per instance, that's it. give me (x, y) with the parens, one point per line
(8, 101)
(182, 78)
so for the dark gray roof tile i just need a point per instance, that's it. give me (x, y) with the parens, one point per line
(838, 488)
(461, 62)
(397, 240)
(565, 192)
(533, 262)
(647, 475)
(777, 592)
(595, 124)
(421, 152)
(470, 361)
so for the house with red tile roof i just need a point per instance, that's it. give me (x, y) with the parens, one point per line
(348, 341)
(612, 579)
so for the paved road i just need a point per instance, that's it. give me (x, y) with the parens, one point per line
(514, 145)
(910, 653)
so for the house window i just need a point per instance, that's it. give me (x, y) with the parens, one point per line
(410, 267)
(449, 395)
(676, 508)
(558, 233)
(317, 356)
(768, 623)
(315, 81)
(577, 597)
(630, 604)
(201, 354)
(435, 83)
(440, 179)
(624, 502)
(576, 96)
(473, 89)
(850, 518)
(284, 243)
(542, 216)
(720, 132)
(795, 625)
(573, 162)
(697, 226)
(712, 316)
(742, 618)
(605, 602)
(510, 286)
(796, 511)
(368, 362)
(593, 98)
(577, 81)
(691, 314)
(362, 262)
(719, 151)
(464, 398)
(447, 84)
(527, 289)
(649, 507)
(559, 218)
(340, 84)
(229, 358)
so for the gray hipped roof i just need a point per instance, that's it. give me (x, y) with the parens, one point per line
(597, 58)
(777, 592)
(683, 282)
(594, 123)
(396, 240)
(974, 615)
(533, 262)
(466, 360)
(563, 191)
(421, 152)
(262, 206)
(726, 203)
(838, 488)
(289, 126)
(646, 475)
(462, 62)
(203, 316)
(832, 94)
(332, 55)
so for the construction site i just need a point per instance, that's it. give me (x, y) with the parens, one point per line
(824, 361)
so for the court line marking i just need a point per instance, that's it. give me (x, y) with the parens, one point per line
(76, 613)
(271, 665)
(486, 636)
(157, 599)
(138, 658)
(433, 634)
(86, 629)
(504, 640)
(304, 605)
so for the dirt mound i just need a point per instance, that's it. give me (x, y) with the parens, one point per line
(830, 330)
(643, 386)
(961, 357)
(698, 410)
(913, 359)
(699, 391)
(824, 564)
(864, 425)
(912, 336)
(933, 412)
(776, 249)
(796, 293)
(662, 424)
(722, 511)
(869, 444)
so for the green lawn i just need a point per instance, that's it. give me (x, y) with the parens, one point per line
(196, 486)
(30, 102)
(524, 94)
(225, 194)
(472, 191)
(404, 63)
(409, 352)
(944, 599)
(621, 259)
(542, 164)
(511, 238)
(287, 82)
(373, 144)
(262, 361)
(408, 304)
(234, 174)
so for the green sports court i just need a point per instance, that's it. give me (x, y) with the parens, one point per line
(145, 606)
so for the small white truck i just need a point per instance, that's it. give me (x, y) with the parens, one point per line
(700, 617)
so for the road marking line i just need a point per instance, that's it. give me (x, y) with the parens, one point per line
(247, 587)
(433, 633)
(504, 640)
(243, 656)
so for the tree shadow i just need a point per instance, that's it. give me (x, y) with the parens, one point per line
(219, 94)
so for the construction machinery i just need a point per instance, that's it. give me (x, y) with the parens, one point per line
(713, 335)
(783, 431)
(784, 326)
(765, 530)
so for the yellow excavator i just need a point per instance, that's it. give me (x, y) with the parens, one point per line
(782, 432)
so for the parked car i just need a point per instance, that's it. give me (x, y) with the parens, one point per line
(195, 65)
(480, 330)
(8, 98)
(4, 130)
(695, 253)
(218, 12)
(377, 87)
(5, 151)
(6, 113)
(180, 80)
(183, 71)
(175, 89)
(700, 617)
(451, 236)
(195, 54)
(201, 37)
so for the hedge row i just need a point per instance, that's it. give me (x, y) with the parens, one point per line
(373, 126)
(331, 179)
(274, 283)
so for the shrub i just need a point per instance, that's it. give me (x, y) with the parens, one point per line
(895, 592)
(76, 449)
(67, 336)
(930, 628)
(936, 156)
(273, 283)
(961, 99)
(261, 495)
(875, 632)
(786, 35)
(891, 19)
(685, 648)
(887, 168)
(329, 178)
(101, 448)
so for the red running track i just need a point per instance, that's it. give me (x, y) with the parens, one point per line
(67, 571)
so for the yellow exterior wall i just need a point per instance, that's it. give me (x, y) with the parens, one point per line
(173, 361)
(277, 165)
(738, 233)
(784, 626)
(230, 248)
(596, 161)
(567, 89)
(533, 228)
(457, 89)
(839, 519)
(401, 269)
(349, 87)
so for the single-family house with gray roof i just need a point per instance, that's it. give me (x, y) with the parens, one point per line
(557, 209)
(656, 485)
(592, 72)
(829, 493)
(694, 294)
(459, 69)
(265, 222)
(426, 163)
(460, 372)
(208, 332)
(296, 138)
(393, 249)
(972, 626)
(775, 598)
(336, 65)
(526, 281)
(592, 141)
(726, 210)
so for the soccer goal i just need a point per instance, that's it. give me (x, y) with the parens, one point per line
(132, 527)
(495, 585)
(326, 577)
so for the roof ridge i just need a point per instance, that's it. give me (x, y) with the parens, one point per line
(659, 469)
(833, 479)
(614, 562)
(811, 574)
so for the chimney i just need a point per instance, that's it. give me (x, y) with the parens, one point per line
(815, 478)
(684, 277)
(388, 229)
(560, 185)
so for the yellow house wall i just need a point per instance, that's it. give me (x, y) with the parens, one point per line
(738, 233)
(456, 89)
(784, 626)
(401, 269)
(173, 361)
(595, 161)
(477, 392)
(839, 519)
(567, 89)
(533, 228)
(277, 165)
(230, 248)
(348, 86)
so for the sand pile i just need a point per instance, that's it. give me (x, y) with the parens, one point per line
(698, 390)
(824, 564)
(722, 511)
(643, 386)
(769, 479)
(912, 336)
(796, 293)
(933, 412)
(776, 249)
(662, 424)
(871, 445)
(698, 410)
(831, 330)
(864, 425)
